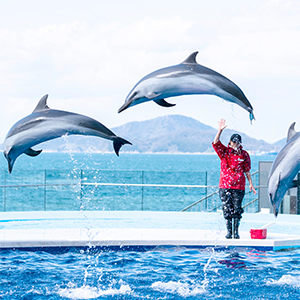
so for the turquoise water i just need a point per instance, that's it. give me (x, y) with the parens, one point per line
(109, 161)
(61, 181)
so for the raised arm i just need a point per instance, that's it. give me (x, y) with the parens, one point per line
(222, 126)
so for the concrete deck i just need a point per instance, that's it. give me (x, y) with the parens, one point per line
(131, 230)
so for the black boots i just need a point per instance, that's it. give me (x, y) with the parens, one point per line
(236, 224)
(229, 228)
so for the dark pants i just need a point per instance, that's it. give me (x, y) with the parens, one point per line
(232, 203)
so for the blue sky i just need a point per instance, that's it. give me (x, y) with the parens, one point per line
(87, 55)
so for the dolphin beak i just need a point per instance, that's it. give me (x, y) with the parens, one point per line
(274, 205)
(10, 165)
(275, 212)
(128, 101)
(124, 106)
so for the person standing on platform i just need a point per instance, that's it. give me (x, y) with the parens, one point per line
(235, 164)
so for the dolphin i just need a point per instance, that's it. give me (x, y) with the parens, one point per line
(284, 169)
(45, 124)
(187, 78)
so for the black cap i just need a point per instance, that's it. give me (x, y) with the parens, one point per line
(236, 138)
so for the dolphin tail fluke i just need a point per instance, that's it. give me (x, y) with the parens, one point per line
(163, 102)
(251, 116)
(118, 143)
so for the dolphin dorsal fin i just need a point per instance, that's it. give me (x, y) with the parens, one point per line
(292, 132)
(191, 59)
(42, 105)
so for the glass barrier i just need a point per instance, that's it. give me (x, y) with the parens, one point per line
(30, 190)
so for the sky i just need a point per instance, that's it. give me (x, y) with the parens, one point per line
(88, 55)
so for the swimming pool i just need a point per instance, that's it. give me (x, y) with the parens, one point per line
(162, 272)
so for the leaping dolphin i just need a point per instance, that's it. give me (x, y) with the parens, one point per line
(187, 78)
(45, 124)
(284, 169)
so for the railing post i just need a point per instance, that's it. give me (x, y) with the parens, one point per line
(81, 188)
(45, 187)
(206, 191)
(4, 196)
(298, 195)
(142, 190)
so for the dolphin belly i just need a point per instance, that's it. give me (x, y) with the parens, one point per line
(42, 133)
(284, 170)
(173, 87)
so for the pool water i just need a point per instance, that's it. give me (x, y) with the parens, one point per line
(162, 273)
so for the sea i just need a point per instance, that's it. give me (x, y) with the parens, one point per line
(104, 181)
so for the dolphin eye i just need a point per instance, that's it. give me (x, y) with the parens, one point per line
(133, 95)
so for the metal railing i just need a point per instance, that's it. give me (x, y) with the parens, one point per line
(199, 201)
(217, 191)
(110, 190)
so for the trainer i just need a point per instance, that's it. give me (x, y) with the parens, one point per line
(235, 164)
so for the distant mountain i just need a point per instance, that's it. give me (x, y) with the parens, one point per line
(168, 134)
(180, 134)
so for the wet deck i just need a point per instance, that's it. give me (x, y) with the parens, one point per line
(142, 230)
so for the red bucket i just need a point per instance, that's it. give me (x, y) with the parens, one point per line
(258, 233)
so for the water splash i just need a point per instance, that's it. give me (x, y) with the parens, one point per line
(212, 251)
(184, 289)
(89, 292)
(290, 280)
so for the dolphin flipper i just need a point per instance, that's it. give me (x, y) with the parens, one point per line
(118, 142)
(152, 95)
(31, 152)
(163, 102)
(295, 183)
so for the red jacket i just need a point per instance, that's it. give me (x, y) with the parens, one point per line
(234, 165)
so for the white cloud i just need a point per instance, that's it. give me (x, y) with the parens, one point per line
(257, 54)
(77, 53)
(90, 66)
(257, 41)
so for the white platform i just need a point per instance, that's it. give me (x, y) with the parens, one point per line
(140, 229)
(73, 237)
